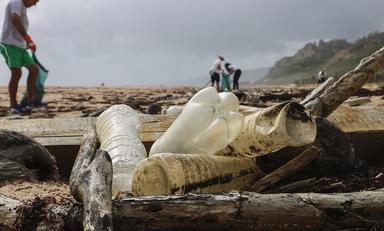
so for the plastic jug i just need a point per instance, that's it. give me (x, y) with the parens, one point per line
(208, 123)
(118, 131)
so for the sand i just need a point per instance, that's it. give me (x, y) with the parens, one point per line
(73, 102)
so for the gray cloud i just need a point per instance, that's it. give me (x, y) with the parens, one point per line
(130, 42)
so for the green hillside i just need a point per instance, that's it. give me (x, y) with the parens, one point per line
(335, 57)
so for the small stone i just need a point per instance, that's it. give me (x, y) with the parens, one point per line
(154, 108)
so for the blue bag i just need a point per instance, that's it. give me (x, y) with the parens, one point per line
(40, 81)
(225, 82)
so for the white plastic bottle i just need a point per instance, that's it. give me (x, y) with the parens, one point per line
(288, 124)
(207, 124)
(169, 173)
(118, 131)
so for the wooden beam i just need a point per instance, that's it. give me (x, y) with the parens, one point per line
(358, 119)
(69, 131)
(64, 131)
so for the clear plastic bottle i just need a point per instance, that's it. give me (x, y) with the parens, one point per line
(208, 123)
(118, 131)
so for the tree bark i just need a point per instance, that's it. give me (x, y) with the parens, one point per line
(91, 183)
(39, 214)
(348, 84)
(8, 211)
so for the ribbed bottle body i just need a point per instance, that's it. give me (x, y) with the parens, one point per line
(118, 131)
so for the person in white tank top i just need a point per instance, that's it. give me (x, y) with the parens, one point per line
(214, 72)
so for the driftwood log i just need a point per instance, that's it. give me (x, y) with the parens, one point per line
(91, 183)
(23, 158)
(318, 90)
(252, 211)
(296, 186)
(234, 211)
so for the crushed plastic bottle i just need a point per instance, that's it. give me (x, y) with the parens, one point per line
(208, 123)
(118, 131)
(288, 124)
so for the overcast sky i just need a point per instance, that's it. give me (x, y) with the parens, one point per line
(167, 42)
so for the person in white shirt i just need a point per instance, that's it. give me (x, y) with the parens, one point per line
(214, 72)
(13, 46)
(236, 71)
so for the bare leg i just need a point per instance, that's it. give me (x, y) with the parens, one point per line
(31, 82)
(13, 85)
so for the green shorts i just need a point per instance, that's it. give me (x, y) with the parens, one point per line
(15, 57)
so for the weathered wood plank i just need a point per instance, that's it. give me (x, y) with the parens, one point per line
(68, 131)
(57, 127)
(358, 119)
